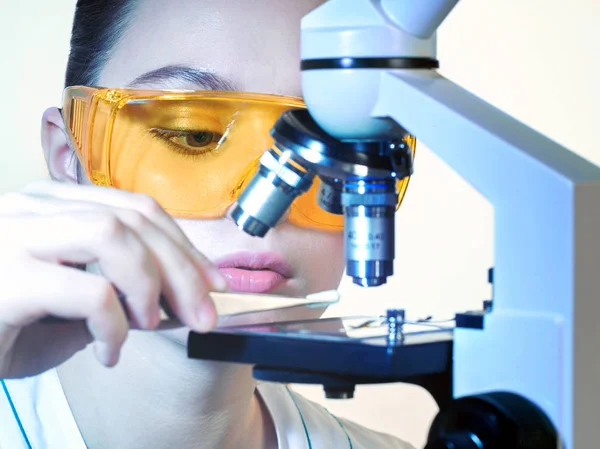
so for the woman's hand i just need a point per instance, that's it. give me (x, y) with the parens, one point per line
(47, 229)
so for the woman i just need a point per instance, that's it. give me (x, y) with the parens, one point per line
(154, 397)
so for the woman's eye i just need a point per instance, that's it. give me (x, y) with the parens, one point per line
(198, 140)
(190, 143)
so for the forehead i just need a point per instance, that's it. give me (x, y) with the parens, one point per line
(252, 43)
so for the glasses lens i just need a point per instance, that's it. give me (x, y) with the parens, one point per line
(193, 153)
(192, 156)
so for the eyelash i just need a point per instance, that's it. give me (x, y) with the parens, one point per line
(165, 136)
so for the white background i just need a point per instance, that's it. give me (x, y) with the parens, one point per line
(535, 59)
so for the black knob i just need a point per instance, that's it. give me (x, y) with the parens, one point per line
(456, 441)
(492, 421)
(339, 391)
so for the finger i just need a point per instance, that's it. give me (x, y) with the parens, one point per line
(141, 264)
(82, 196)
(71, 294)
(123, 257)
(111, 197)
(185, 288)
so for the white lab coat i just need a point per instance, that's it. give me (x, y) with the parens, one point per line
(35, 410)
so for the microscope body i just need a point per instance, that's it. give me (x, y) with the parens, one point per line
(369, 68)
(527, 375)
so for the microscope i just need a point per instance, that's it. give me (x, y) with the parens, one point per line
(521, 373)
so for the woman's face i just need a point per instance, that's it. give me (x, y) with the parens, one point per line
(254, 46)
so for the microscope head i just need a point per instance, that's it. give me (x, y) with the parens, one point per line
(345, 49)
(363, 163)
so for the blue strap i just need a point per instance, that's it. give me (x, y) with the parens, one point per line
(301, 417)
(14, 410)
(304, 423)
(343, 428)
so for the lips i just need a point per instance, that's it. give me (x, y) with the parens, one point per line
(249, 272)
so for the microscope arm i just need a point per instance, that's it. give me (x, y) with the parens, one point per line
(368, 78)
(501, 157)
(541, 340)
(417, 17)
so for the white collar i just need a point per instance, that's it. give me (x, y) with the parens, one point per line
(44, 412)
(48, 422)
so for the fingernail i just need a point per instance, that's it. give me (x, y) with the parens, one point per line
(105, 355)
(207, 315)
(218, 281)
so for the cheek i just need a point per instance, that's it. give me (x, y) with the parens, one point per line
(322, 260)
(213, 238)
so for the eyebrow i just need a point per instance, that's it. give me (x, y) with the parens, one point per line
(200, 78)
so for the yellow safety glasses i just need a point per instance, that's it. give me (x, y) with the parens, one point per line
(192, 151)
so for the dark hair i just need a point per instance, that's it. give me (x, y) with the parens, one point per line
(98, 26)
